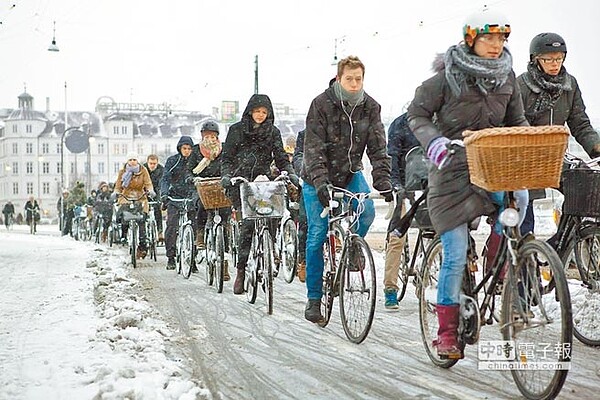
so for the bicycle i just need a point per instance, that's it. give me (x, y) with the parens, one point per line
(133, 215)
(186, 238)
(152, 230)
(263, 202)
(216, 204)
(35, 216)
(530, 313)
(577, 242)
(286, 240)
(10, 221)
(354, 283)
(115, 228)
(98, 226)
(78, 224)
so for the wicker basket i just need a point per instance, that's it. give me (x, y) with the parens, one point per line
(582, 192)
(211, 193)
(515, 158)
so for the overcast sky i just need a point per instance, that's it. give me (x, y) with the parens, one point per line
(194, 54)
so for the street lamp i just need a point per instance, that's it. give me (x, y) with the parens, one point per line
(53, 47)
(62, 171)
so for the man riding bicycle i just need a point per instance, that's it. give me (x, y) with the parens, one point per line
(9, 213)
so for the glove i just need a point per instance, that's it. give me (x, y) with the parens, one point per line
(438, 149)
(388, 196)
(323, 194)
(294, 179)
(226, 182)
(595, 151)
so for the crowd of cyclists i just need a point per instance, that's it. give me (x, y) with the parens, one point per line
(474, 87)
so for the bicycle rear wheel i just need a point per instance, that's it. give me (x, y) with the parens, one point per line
(404, 271)
(209, 251)
(289, 249)
(533, 316)
(187, 251)
(267, 269)
(430, 271)
(358, 291)
(219, 257)
(584, 283)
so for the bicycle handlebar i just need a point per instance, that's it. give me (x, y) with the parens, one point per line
(451, 146)
(339, 193)
(575, 161)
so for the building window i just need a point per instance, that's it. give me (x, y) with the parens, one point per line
(72, 168)
(116, 130)
(124, 149)
(124, 130)
(116, 168)
(46, 167)
(57, 148)
(100, 148)
(46, 187)
(15, 168)
(29, 168)
(28, 128)
(101, 167)
(153, 148)
(45, 148)
(29, 148)
(58, 170)
(29, 187)
(15, 129)
(140, 150)
(167, 148)
(116, 149)
(15, 148)
(16, 188)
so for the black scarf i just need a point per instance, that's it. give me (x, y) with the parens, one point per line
(488, 74)
(548, 87)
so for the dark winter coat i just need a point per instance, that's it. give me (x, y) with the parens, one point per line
(400, 141)
(248, 151)
(335, 142)
(31, 209)
(155, 177)
(177, 177)
(452, 199)
(8, 208)
(298, 158)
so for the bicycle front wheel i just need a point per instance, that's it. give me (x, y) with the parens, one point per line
(289, 249)
(358, 290)
(583, 253)
(267, 269)
(209, 251)
(533, 315)
(187, 251)
(219, 257)
(133, 242)
(428, 288)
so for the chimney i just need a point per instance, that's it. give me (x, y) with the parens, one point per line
(47, 104)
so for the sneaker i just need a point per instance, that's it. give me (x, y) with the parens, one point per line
(312, 312)
(391, 299)
(301, 271)
(356, 260)
(171, 263)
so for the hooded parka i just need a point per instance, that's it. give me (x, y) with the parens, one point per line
(176, 181)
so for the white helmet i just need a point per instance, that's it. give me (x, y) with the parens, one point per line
(486, 21)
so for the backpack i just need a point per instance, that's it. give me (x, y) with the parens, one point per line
(416, 169)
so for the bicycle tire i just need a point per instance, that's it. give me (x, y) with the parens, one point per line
(329, 291)
(187, 251)
(428, 320)
(289, 250)
(209, 255)
(151, 237)
(404, 271)
(251, 279)
(219, 246)
(233, 241)
(267, 269)
(133, 242)
(585, 247)
(529, 316)
(358, 293)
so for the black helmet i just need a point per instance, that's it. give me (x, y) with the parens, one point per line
(210, 126)
(547, 43)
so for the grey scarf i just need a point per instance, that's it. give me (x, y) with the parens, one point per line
(129, 171)
(549, 88)
(488, 73)
(345, 96)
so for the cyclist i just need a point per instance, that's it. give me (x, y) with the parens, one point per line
(9, 213)
(32, 211)
(250, 147)
(176, 183)
(551, 96)
(400, 141)
(155, 169)
(206, 163)
(474, 88)
(133, 181)
(64, 216)
(103, 205)
(341, 122)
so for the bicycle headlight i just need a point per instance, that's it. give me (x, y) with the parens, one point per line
(509, 217)
(217, 219)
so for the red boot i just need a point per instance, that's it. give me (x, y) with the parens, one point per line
(447, 341)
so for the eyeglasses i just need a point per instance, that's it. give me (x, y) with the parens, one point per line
(551, 60)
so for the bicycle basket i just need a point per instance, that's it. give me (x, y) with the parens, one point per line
(211, 193)
(514, 158)
(130, 216)
(262, 199)
(133, 213)
(79, 212)
(582, 192)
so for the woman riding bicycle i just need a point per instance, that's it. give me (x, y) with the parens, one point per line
(474, 88)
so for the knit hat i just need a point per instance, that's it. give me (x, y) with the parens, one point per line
(132, 156)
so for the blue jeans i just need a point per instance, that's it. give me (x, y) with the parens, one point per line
(317, 231)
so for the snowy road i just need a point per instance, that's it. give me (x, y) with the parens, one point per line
(76, 322)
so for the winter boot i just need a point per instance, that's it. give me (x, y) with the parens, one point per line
(302, 271)
(171, 263)
(238, 285)
(226, 276)
(104, 236)
(447, 340)
(312, 312)
(391, 299)
(161, 237)
(200, 239)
